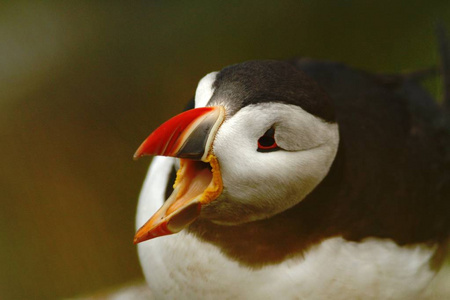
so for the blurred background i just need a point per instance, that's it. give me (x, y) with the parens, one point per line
(82, 84)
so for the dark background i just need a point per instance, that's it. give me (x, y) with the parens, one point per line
(83, 83)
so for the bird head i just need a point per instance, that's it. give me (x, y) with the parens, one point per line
(261, 138)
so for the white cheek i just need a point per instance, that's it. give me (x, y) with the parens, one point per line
(205, 90)
(305, 133)
(273, 181)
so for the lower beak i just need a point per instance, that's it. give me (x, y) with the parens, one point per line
(188, 136)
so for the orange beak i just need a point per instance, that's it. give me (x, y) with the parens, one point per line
(188, 136)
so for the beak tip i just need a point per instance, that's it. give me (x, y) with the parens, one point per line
(138, 239)
(139, 152)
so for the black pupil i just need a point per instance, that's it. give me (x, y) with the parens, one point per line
(266, 141)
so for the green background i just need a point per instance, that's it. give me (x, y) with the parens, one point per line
(83, 83)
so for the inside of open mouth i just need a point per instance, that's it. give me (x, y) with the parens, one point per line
(193, 180)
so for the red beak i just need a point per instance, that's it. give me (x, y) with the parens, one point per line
(187, 135)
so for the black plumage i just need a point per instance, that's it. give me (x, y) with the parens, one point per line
(391, 175)
(254, 82)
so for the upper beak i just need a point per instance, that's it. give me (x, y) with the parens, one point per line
(188, 136)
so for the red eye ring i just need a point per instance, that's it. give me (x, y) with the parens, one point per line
(267, 142)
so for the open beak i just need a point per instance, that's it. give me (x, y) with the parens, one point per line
(188, 136)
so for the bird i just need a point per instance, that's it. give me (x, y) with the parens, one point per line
(298, 179)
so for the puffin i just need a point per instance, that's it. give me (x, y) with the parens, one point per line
(299, 179)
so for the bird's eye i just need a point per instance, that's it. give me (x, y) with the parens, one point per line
(267, 142)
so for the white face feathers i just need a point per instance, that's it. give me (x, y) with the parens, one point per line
(205, 90)
(265, 183)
